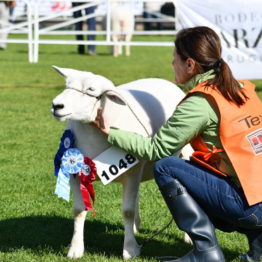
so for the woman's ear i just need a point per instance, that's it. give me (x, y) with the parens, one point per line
(191, 65)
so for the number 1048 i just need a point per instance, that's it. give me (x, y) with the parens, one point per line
(114, 169)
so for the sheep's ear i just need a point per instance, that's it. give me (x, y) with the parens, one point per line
(67, 72)
(61, 71)
(115, 97)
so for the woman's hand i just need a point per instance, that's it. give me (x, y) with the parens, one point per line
(99, 122)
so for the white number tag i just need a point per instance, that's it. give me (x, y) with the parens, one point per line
(112, 163)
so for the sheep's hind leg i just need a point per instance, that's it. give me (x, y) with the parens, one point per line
(131, 219)
(137, 216)
(115, 41)
(77, 248)
(128, 48)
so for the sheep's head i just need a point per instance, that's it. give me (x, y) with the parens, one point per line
(82, 95)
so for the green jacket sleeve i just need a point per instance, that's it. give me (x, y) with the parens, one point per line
(189, 119)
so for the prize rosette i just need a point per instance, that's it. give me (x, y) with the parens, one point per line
(72, 161)
(87, 175)
(88, 172)
(67, 141)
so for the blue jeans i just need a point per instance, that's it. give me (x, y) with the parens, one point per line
(91, 23)
(220, 198)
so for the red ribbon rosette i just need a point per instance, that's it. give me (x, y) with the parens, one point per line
(87, 175)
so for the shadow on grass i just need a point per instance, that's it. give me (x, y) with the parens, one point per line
(87, 55)
(22, 51)
(64, 52)
(53, 234)
(34, 233)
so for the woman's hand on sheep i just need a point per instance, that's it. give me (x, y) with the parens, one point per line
(100, 123)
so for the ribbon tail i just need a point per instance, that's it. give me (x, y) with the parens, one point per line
(91, 191)
(85, 196)
(57, 163)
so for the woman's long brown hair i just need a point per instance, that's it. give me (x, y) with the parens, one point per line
(203, 45)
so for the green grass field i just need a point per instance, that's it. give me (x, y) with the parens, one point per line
(34, 224)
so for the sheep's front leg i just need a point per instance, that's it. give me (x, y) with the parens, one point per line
(77, 248)
(130, 214)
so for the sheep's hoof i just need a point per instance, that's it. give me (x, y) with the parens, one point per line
(131, 253)
(76, 251)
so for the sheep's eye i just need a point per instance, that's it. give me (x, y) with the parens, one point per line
(91, 88)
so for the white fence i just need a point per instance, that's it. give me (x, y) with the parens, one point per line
(36, 18)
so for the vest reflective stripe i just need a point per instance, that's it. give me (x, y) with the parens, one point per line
(240, 132)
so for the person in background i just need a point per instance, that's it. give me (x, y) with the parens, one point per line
(150, 11)
(11, 11)
(4, 20)
(220, 187)
(168, 8)
(91, 24)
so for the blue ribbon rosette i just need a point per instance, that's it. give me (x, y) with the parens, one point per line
(72, 161)
(67, 141)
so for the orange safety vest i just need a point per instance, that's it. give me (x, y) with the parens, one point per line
(240, 132)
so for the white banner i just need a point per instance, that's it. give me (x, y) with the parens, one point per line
(239, 25)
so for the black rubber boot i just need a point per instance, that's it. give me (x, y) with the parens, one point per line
(255, 247)
(190, 218)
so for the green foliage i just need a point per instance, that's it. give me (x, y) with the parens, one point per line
(34, 224)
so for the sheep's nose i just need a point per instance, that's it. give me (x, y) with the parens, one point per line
(57, 106)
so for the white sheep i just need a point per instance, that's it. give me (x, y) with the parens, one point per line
(122, 25)
(141, 106)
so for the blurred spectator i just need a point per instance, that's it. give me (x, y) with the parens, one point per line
(11, 10)
(4, 20)
(91, 24)
(150, 11)
(168, 9)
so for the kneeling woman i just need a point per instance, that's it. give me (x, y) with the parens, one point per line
(221, 186)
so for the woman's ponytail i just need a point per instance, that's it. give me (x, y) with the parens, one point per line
(227, 85)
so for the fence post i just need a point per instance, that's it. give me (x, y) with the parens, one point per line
(36, 30)
(30, 31)
(108, 21)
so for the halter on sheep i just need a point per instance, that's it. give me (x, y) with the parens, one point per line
(132, 107)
